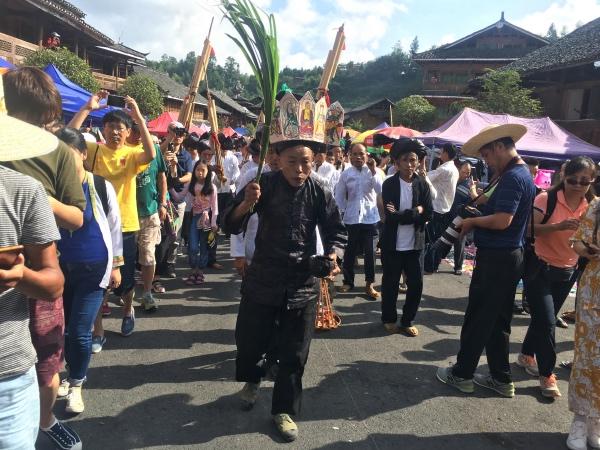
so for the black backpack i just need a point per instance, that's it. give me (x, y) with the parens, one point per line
(100, 186)
(550, 206)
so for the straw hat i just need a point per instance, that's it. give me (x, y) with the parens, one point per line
(492, 133)
(20, 140)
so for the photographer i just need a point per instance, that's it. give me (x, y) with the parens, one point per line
(499, 237)
(408, 206)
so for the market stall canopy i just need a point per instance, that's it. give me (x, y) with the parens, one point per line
(73, 96)
(159, 125)
(544, 138)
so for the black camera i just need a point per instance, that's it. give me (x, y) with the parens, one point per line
(451, 233)
(179, 131)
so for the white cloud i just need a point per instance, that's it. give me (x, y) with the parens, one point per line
(447, 38)
(306, 29)
(566, 13)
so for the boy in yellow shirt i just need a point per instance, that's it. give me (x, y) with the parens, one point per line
(120, 164)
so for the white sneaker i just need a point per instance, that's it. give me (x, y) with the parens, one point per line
(75, 401)
(577, 439)
(63, 389)
(593, 436)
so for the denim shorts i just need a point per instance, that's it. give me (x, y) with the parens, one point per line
(19, 411)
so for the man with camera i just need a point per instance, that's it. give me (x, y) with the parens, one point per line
(500, 237)
(180, 166)
(444, 180)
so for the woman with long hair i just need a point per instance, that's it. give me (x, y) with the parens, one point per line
(557, 215)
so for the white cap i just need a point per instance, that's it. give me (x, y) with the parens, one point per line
(174, 125)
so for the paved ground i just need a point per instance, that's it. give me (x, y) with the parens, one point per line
(170, 384)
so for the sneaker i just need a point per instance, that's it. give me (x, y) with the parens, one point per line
(63, 389)
(248, 395)
(458, 272)
(170, 271)
(577, 439)
(63, 437)
(149, 302)
(105, 310)
(464, 385)
(286, 427)
(487, 381)
(593, 433)
(128, 324)
(75, 401)
(549, 386)
(529, 364)
(97, 344)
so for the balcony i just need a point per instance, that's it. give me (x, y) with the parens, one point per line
(15, 50)
(108, 82)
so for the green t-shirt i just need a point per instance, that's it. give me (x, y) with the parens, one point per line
(147, 190)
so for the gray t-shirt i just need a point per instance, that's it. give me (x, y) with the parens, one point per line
(27, 219)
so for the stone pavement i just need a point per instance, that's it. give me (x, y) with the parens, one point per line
(170, 385)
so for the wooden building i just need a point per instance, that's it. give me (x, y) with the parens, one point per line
(25, 24)
(448, 69)
(565, 76)
(371, 114)
(239, 115)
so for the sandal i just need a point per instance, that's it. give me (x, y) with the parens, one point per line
(191, 280)
(158, 288)
(199, 279)
(409, 331)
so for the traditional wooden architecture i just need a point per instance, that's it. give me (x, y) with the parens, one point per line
(371, 114)
(565, 76)
(239, 115)
(174, 93)
(24, 25)
(448, 69)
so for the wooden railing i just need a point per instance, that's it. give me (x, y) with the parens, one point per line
(108, 82)
(15, 50)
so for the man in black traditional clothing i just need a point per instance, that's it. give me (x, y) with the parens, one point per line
(279, 291)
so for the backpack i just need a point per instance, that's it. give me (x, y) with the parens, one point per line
(100, 186)
(550, 206)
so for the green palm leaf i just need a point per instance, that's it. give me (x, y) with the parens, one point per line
(258, 44)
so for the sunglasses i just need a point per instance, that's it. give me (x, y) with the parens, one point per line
(575, 182)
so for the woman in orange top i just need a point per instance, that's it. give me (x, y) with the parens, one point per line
(548, 289)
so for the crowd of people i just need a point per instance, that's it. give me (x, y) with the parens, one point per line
(82, 213)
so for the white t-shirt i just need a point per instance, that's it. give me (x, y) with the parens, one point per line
(405, 236)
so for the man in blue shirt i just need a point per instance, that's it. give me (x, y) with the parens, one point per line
(500, 238)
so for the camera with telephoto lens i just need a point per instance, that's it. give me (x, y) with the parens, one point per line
(451, 233)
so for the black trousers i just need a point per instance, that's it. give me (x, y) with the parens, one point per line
(393, 264)
(254, 334)
(546, 293)
(434, 230)
(223, 200)
(489, 313)
(363, 236)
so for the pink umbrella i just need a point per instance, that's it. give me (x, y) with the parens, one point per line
(228, 132)
(394, 133)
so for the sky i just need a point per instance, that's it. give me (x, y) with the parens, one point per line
(306, 28)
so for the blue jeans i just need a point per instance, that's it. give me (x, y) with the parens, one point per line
(82, 299)
(197, 245)
(19, 411)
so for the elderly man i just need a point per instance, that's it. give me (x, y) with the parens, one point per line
(500, 237)
(120, 164)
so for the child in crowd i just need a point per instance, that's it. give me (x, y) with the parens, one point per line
(202, 194)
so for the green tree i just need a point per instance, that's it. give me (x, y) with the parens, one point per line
(74, 68)
(502, 93)
(414, 46)
(551, 34)
(414, 112)
(356, 125)
(563, 31)
(146, 93)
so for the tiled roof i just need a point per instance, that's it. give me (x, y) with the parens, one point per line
(360, 108)
(579, 47)
(230, 104)
(455, 50)
(170, 87)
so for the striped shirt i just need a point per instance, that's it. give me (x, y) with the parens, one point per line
(27, 220)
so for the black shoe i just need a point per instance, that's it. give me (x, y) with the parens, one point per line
(170, 271)
(63, 437)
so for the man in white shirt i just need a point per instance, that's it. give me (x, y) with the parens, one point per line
(324, 169)
(444, 180)
(231, 172)
(356, 196)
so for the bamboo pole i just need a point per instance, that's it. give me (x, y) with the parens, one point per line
(331, 63)
(187, 109)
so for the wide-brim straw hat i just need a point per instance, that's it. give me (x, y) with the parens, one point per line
(21, 140)
(492, 133)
